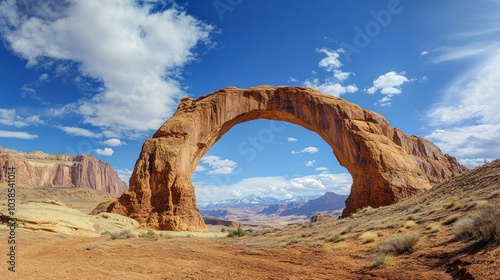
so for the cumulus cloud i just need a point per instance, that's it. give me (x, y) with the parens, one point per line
(218, 165)
(106, 152)
(17, 134)
(10, 118)
(388, 84)
(134, 49)
(199, 168)
(291, 139)
(309, 149)
(77, 131)
(424, 53)
(114, 142)
(277, 187)
(310, 163)
(334, 84)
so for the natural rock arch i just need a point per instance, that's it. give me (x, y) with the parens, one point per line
(386, 165)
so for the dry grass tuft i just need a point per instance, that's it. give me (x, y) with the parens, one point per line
(368, 237)
(409, 224)
(381, 261)
(451, 219)
(483, 226)
(399, 244)
(124, 234)
(433, 228)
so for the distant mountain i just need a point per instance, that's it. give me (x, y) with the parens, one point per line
(327, 203)
(251, 202)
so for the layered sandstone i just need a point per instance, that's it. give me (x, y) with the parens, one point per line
(37, 169)
(386, 165)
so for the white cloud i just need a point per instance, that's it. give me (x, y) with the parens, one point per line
(330, 87)
(106, 152)
(43, 77)
(309, 149)
(389, 84)
(292, 79)
(291, 139)
(277, 187)
(446, 54)
(124, 174)
(310, 163)
(218, 165)
(114, 142)
(333, 85)
(424, 53)
(199, 168)
(17, 134)
(10, 118)
(133, 49)
(321, 169)
(77, 131)
(466, 122)
(331, 61)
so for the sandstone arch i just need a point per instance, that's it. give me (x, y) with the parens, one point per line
(386, 165)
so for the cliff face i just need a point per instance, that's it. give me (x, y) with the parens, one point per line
(37, 169)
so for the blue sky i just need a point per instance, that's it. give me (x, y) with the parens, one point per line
(99, 77)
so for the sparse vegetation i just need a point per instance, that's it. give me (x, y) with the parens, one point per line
(483, 226)
(433, 228)
(409, 224)
(382, 260)
(368, 237)
(126, 233)
(451, 219)
(236, 233)
(399, 244)
(149, 235)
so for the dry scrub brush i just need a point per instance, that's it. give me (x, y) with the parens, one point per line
(399, 244)
(483, 226)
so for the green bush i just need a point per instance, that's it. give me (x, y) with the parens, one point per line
(236, 233)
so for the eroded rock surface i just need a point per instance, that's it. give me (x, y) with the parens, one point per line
(38, 169)
(386, 165)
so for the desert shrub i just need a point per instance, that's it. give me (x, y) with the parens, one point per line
(409, 224)
(333, 237)
(432, 228)
(223, 230)
(346, 230)
(126, 233)
(236, 233)
(381, 260)
(451, 219)
(399, 244)
(149, 235)
(482, 226)
(368, 237)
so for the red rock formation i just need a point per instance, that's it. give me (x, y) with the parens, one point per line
(386, 165)
(37, 169)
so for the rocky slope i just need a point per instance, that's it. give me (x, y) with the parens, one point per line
(37, 169)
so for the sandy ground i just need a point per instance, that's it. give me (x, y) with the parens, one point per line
(331, 249)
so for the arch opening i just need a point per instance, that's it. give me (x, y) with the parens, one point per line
(259, 163)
